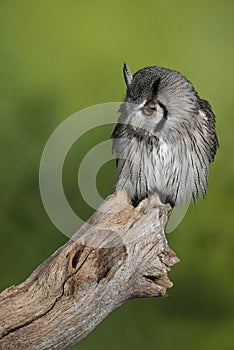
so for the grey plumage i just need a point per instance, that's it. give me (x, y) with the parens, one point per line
(165, 137)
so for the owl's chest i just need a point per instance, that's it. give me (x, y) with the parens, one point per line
(147, 156)
(152, 165)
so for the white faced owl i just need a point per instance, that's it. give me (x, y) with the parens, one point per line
(165, 137)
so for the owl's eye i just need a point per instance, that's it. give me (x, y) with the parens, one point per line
(148, 111)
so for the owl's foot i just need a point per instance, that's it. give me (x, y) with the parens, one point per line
(122, 196)
(154, 201)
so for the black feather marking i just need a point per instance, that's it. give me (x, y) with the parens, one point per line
(165, 111)
(155, 86)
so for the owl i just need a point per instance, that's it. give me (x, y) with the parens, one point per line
(165, 137)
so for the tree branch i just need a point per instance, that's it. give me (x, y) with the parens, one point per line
(120, 253)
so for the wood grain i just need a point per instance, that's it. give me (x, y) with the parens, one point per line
(119, 254)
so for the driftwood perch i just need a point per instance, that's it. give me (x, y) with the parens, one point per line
(112, 258)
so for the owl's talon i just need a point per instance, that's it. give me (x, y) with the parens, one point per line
(167, 207)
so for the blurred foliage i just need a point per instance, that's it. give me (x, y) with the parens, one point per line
(58, 57)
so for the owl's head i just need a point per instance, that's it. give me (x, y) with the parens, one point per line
(158, 99)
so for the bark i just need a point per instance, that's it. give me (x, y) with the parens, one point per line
(119, 254)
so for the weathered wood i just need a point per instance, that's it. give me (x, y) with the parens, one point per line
(120, 253)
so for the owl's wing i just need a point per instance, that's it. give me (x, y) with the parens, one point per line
(209, 125)
(117, 133)
(121, 133)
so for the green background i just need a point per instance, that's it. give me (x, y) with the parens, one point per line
(58, 57)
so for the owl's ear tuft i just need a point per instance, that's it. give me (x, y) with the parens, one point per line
(155, 86)
(127, 75)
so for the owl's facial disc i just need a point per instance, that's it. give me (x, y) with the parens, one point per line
(147, 117)
(155, 110)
